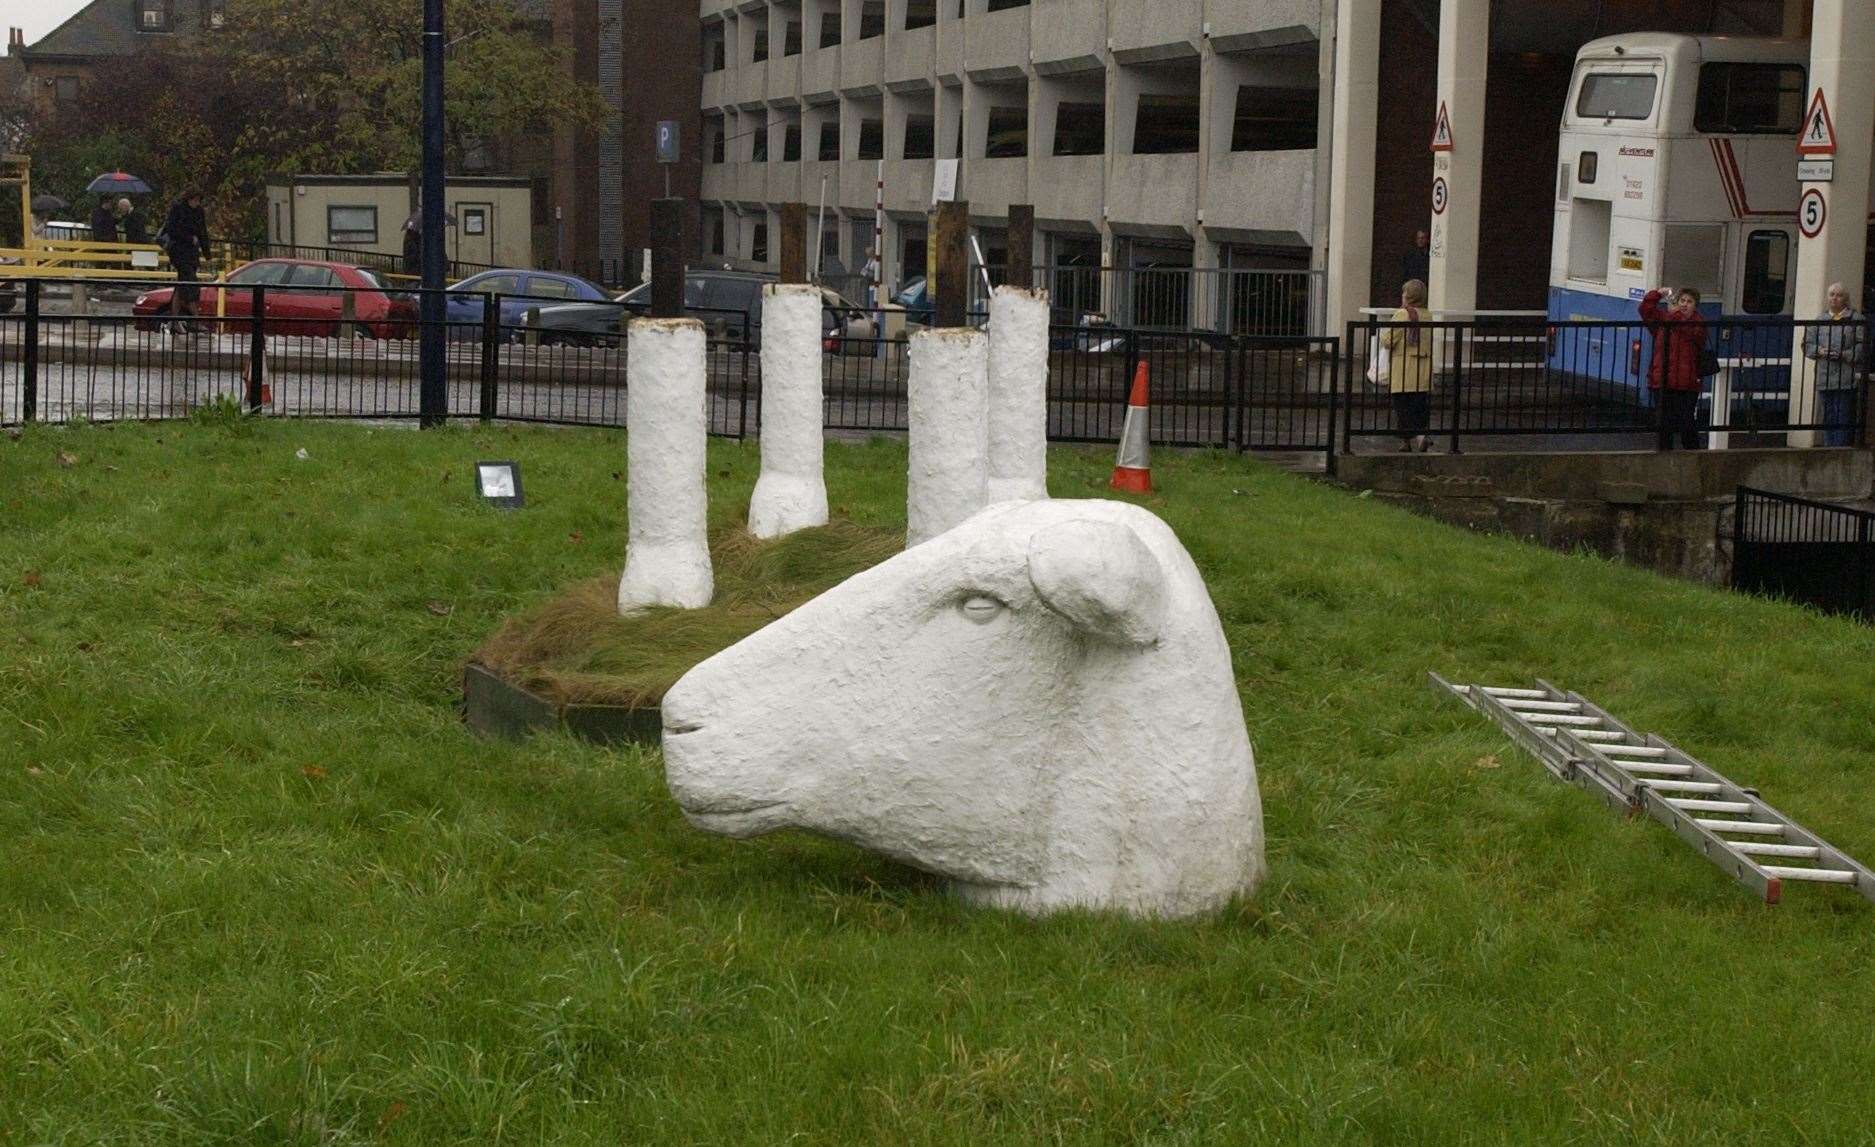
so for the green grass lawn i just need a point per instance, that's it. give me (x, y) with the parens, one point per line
(260, 885)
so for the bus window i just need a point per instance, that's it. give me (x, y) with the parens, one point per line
(1767, 266)
(1750, 99)
(1617, 95)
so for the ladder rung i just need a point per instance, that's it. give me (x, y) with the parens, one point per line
(1758, 827)
(1541, 719)
(1765, 848)
(1824, 875)
(1636, 750)
(1711, 806)
(1655, 767)
(1600, 735)
(1681, 786)
(1517, 705)
(1531, 694)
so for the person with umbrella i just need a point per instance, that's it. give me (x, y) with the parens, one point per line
(104, 222)
(185, 238)
(131, 223)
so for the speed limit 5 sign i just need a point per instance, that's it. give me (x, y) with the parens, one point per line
(1812, 212)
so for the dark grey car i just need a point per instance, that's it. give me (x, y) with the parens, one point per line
(728, 303)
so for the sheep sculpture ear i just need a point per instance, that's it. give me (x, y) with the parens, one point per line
(1100, 576)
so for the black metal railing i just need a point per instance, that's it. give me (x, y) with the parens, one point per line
(1805, 551)
(331, 352)
(1608, 385)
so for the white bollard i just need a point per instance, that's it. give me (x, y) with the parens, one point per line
(948, 473)
(792, 491)
(1018, 404)
(667, 556)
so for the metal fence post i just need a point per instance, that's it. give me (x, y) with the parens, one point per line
(1334, 392)
(1458, 384)
(29, 355)
(1347, 408)
(1865, 549)
(256, 347)
(491, 353)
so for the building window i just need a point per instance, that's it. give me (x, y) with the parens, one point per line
(791, 143)
(871, 139)
(830, 27)
(1167, 124)
(758, 243)
(920, 14)
(872, 19)
(153, 15)
(65, 89)
(758, 150)
(761, 41)
(1275, 119)
(715, 48)
(1080, 129)
(830, 141)
(346, 226)
(1008, 134)
(999, 5)
(716, 232)
(920, 137)
(1750, 99)
(791, 39)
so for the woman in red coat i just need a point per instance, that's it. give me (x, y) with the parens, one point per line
(1679, 335)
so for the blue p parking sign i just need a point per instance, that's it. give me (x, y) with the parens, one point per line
(669, 141)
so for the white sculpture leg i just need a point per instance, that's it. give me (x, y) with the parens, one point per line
(1018, 395)
(667, 555)
(1038, 704)
(947, 471)
(791, 494)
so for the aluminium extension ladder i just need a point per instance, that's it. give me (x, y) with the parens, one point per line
(1578, 741)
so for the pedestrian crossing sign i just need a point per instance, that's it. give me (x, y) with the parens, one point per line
(1442, 131)
(1819, 131)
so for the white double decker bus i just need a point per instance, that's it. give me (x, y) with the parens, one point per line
(1677, 167)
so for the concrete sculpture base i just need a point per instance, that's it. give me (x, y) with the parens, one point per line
(1018, 398)
(667, 554)
(1038, 704)
(791, 494)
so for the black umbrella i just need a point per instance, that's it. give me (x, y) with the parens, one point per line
(45, 204)
(415, 222)
(118, 183)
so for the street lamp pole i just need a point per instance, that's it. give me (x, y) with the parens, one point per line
(433, 399)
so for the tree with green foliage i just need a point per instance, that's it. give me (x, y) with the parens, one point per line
(303, 86)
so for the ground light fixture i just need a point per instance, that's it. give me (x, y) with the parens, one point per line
(499, 484)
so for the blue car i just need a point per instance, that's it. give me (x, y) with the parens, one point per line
(520, 290)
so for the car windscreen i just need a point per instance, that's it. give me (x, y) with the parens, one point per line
(260, 274)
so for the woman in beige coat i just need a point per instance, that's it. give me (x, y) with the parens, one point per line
(1409, 369)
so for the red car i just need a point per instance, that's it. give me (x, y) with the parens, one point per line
(301, 300)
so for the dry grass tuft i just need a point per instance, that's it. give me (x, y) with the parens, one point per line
(577, 650)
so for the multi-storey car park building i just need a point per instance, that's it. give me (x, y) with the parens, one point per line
(1146, 133)
(1203, 151)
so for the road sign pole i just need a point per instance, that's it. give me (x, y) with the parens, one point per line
(433, 393)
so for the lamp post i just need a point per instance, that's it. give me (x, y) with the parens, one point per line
(433, 397)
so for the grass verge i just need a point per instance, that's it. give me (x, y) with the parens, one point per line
(260, 885)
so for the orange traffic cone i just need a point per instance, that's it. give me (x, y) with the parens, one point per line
(1132, 470)
(247, 382)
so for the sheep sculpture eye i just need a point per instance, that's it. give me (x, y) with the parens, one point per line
(982, 610)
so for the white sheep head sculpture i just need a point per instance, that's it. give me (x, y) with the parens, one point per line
(1038, 704)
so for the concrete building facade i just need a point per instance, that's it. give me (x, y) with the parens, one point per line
(1146, 133)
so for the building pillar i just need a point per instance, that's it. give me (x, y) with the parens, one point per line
(1351, 180)
(1842, 67)
(1458, 173)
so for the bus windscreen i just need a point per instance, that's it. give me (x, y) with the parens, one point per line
(1617, 95)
